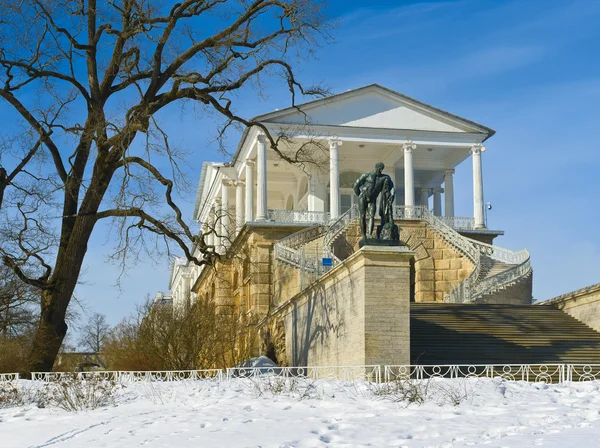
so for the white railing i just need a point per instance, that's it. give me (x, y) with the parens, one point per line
(131, 376)
(471, 288)
(458, 222)
(288, 249)
(298, 216)
(347, 373)
(452, 237)
(7, 377)
(549, 373)
(336, 228)
(582, 372)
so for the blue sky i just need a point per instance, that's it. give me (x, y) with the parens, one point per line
(528, 69)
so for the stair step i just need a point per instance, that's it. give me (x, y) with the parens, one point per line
(499, 334)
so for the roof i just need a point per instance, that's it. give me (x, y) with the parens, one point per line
(272, 117)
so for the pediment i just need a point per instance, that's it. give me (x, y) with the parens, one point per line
(374, 107)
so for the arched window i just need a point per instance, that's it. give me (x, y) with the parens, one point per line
(348, 179)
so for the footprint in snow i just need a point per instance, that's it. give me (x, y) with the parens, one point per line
(325, 439)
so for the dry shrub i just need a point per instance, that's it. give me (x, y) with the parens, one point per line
(294, 387)
(10, 395)
(14, 354)
(404, 391)
(158, 339)
(74, 394)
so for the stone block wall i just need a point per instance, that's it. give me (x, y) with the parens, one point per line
(583, 304)
(356, 314)
(438, 267)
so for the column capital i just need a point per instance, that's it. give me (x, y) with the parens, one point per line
(226, 182)
(477, 149)
(438, 190)
(334, 142)
(409, 145)
(449, 171)
(239, 183)
(250, 162)
(262, 138)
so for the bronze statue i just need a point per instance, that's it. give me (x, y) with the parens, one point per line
(369, 187)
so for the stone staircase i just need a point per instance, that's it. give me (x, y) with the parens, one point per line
(497, 270)
(443, 334)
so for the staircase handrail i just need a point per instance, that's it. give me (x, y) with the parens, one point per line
(500, 254)
(454, 238)
(496, 282)
(340, 224)
(472, 287)
(287, 248)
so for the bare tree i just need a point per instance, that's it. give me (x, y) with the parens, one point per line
(18, 305)
(94, 333)
(91, 80)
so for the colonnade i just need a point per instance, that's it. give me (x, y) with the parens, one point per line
(219, 216)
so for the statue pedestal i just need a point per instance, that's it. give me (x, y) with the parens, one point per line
(377, 242)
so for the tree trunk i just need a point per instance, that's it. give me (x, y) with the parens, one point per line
(49, 336)
(3, 176)
(55, 300)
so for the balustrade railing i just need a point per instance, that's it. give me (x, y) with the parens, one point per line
(458, 222)
(455, 239)
(298, 216)
(288, 249)
(548, 373)
(7, 377)
(346, 373)
(130, 376)
(472, 287)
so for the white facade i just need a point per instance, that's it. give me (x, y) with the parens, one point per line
(338, 139)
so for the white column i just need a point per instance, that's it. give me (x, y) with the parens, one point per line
(261, 178)
(478, 211)
(334, 177)
(210, 238)
(239, 206)
(317, 192)
(449, 193)
(225, 214)
(249, 190)
(437, 201)
(409, 181)
(425, 197)
(217, 224)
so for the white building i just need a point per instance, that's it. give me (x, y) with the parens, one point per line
(338, 139)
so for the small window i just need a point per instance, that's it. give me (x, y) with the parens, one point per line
(346, 202)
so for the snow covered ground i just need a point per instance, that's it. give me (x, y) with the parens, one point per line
(272, 413)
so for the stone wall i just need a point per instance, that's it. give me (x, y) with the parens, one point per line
(583, 304)
(356, 314)
(519, 293)
(438, 267)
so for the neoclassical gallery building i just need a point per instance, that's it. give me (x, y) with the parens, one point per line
(288, 233)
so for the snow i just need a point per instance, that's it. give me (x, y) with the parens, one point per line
(270, 412)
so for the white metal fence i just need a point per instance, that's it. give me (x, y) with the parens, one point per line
(347, 373)
(548, 373)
